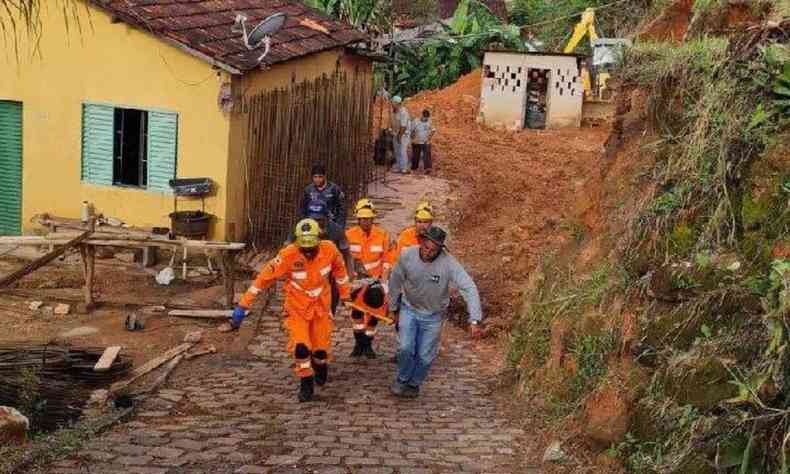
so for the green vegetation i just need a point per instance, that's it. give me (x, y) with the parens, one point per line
(439, 61)
(553, 20)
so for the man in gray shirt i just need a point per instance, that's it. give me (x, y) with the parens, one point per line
(422, 277)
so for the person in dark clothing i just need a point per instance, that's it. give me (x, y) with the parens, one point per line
(328, 192)
(318, 211)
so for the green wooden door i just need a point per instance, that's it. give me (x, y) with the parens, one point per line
(10, 167)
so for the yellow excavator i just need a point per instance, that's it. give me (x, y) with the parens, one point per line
(594, 90)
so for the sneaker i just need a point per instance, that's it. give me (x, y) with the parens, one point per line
(398, 389)
(411, 391)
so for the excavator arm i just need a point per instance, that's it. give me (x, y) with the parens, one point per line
(585, 26)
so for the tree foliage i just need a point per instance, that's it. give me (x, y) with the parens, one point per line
(368, 15)
(439, 61)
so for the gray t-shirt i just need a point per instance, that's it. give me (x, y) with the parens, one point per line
(425, 285)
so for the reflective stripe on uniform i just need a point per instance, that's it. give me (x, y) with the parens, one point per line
(299, 275)
(372, 265)
(325, 271)
(359, 327)
(355, 248)
(254, 290)
(376, 248)
(304, 365)
(370, 332)
(314, 293)
(342, 281)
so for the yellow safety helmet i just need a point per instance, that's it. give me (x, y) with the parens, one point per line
(308, 233)
(364, 209)
(424, 211)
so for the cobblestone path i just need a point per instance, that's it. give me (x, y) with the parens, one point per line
(241, 415)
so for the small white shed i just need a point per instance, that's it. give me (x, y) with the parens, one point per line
(504, 92)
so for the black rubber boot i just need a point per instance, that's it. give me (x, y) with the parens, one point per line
(368, 348)
(321, 374)
(306, 389)
(359, 344)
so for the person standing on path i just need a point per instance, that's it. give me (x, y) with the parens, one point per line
(307, 265)
(318, 211)
(328, 192)
(422, 134)
(400, 125)
(422, 277)
(369, 246)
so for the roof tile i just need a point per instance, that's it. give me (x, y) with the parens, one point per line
(204, 26)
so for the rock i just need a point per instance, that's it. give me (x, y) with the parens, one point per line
(699, 379)
(97, 404)
(47, 310)
(35, 305)
(194, 337)
(13, 427)
(555, 454)
(79, 332)
(62, 309)
(507, 259)
(166, 276)
(606, 416)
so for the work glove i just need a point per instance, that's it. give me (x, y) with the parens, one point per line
(239, 313)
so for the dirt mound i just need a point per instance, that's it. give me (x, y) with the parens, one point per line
(519, 189)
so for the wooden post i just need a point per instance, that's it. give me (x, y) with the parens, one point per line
(227, 265)
(88, 253)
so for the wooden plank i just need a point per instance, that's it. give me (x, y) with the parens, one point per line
(228, 271)
(40, 262)
(150, 366)
(124, 241)
(107, 358)
(201, 313)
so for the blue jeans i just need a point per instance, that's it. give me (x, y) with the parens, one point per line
(419, 336)
(401, 152)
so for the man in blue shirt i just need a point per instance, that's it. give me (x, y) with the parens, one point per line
(327, 192)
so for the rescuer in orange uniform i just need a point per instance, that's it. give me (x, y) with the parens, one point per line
(307, 264)
(423, 219)
(370, 248)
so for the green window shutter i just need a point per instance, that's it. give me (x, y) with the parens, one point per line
(10, 168)
(162, 146)
(97, 143)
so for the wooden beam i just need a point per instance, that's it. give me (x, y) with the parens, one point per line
(40, 262)
(124, 241)
(107, 358)
(201, 313)
(228, 267)
(150, 365)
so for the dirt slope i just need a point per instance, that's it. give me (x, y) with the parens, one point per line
(519, 189)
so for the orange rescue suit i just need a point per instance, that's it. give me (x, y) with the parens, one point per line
(371, 250)
(308, 296)
(407, 238)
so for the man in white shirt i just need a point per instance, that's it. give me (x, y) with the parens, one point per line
(400, 125)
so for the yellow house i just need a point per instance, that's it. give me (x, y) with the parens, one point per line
(134, 93)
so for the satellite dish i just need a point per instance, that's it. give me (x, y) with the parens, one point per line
(261, 34)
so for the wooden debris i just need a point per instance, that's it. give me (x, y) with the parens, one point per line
(107, 358)
(209, 350)
(150, 365)
(40, 262)
(201, 313)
